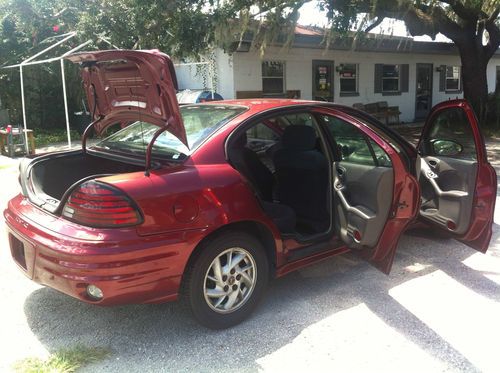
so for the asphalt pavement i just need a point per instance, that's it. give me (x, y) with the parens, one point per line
(438, 311)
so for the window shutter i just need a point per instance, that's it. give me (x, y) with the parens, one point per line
(378, 78)
(442, 78)
(405, 72)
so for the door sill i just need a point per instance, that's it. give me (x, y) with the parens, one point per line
(313, 249)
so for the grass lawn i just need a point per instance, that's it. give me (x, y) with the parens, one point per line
(65, 360)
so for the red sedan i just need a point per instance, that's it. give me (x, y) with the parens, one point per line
(212, 200)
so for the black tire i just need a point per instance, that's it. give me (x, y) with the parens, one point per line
(195, 284)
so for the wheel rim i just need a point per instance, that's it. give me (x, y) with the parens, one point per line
(230, 280)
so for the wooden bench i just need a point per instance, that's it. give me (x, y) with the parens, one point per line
(381, 110)
(9, 149)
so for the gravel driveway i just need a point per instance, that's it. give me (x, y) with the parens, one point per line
(438, 311)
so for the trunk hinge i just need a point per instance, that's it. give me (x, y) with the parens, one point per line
(87, 132)
(150, 149)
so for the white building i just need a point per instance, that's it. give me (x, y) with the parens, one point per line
(412, 75)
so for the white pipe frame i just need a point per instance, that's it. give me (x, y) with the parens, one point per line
(29, 62)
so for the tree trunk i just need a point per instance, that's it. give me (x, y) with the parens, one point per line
(475, 82)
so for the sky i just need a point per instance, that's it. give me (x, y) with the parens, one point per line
(309, 15)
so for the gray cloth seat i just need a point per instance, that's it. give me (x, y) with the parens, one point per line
(249, 164)
(302, 177)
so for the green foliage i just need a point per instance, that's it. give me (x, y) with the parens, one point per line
(179, 27)
(53, 136)
(63, 361)
(190, 28)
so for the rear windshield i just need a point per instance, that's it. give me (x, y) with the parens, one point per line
(200, 121)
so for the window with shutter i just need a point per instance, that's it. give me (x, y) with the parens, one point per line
(391, 79)
(452, 76)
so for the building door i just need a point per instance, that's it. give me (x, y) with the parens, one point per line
(423, 103)
(322, 79)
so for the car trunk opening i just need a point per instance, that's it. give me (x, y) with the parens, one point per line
(45, 180)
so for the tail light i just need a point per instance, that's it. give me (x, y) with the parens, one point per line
(100, 205)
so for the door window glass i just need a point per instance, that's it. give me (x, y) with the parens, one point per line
(353, 145)
(450, 135)
(322, 80)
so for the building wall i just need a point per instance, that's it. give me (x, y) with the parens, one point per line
(192, 76)
(188, 77)
(248, 76)
(225, 74)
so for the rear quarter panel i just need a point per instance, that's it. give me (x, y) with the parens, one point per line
(192, 197)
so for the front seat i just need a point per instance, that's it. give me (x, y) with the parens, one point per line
(302, 177)
(248, 163)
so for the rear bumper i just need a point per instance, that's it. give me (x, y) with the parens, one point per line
(67, 257)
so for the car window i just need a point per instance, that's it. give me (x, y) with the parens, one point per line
(200, 122)
(353, 145)
(260, 137)
(303, 119)
(450, 135)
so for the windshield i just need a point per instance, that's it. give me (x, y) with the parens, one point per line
(199, 121)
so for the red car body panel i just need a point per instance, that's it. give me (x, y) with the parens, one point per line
(182, 205)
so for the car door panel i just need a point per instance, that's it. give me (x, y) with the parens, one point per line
(364, 203)
(447, 191)
(458, 185)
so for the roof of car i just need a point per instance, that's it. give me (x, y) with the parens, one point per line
(263, 103)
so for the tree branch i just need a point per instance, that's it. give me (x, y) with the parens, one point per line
(377, 22)
(463, 12)
(425, 20)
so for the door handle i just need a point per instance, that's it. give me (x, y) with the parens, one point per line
(433, 163)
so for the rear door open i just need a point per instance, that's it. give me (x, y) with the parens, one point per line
(375, 197)
(458, 185)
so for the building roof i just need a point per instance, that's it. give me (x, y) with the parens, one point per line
(313, 37)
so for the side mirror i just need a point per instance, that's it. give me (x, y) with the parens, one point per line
(446, 147)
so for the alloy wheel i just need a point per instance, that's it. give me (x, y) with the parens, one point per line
(230, 280)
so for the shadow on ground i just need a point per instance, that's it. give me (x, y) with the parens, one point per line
(165, 337)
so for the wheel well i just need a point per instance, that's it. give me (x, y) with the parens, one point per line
(260, 231)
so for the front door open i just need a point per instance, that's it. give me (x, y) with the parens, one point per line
(322, 77)
(458, 185)
(423, 102)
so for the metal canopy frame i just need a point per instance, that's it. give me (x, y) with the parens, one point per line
(31, 61)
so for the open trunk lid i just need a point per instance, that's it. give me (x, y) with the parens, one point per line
(125, 86)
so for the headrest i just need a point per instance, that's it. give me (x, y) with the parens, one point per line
(240, 141)
(299, 137)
